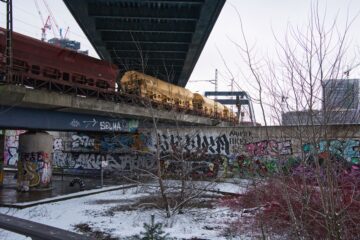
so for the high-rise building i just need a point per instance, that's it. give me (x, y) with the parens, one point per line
(340, 105)
(67, 43)
(341, 94)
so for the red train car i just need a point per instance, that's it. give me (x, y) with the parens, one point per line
(42, 65)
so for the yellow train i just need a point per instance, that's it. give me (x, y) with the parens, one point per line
(169, 95)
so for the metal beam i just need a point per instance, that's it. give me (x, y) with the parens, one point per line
(158, 60)
(143, 31)
(148, 55)
(146, 47)
(144, 25)
(226, 94)
(138, 37)
(171, 12)
(164, 2)
(177, 42)
(144, 51)
(233, 101)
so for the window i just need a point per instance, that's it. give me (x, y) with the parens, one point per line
(35, 69)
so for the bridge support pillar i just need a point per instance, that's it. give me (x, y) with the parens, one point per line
(35, 161)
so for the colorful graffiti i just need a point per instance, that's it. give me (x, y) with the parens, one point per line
(348, 149)
(35, 169)
(122, 152)
(11, 145)
(271, 148)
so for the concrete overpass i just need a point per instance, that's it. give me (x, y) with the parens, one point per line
(162, 38)
(24, 108)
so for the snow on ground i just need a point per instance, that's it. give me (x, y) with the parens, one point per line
(205, 223)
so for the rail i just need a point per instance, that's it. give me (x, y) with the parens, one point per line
(37, 231)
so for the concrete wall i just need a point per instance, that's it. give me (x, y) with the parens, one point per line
(83, 152)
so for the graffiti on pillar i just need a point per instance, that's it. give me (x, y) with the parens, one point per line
(36, 168)
(207, 144)
(11, 145)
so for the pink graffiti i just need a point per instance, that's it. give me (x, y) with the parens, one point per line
(269, 148)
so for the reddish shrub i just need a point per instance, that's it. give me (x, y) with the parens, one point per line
(289, 205)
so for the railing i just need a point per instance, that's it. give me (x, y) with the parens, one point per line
(37, 231)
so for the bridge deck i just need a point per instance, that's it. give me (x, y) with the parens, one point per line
(20, 96)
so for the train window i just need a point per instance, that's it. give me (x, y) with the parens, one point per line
(78, 78)
(102, 84)
(66, 76)
(51, 73)
(20, 65)
(90, 82)
(35, 69)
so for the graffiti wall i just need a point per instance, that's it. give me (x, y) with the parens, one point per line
(11, 145)
(348, 149)
(236, 149)
(79, 152)
(208, 150)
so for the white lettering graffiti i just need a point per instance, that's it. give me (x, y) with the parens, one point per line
(113, 126)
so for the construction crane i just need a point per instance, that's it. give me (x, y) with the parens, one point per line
(59, 38)
(52, 19)
(347, 72)
(46, 24)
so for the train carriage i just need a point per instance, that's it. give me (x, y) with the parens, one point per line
(42, 65)
(156, 90)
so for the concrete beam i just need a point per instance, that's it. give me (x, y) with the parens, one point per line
(19, 96)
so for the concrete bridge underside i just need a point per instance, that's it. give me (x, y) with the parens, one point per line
(162, 38)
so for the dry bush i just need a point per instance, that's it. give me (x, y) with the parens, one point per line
(298, 207)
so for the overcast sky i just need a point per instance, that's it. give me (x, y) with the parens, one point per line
(261, 18)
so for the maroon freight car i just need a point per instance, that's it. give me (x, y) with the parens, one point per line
(42, 65)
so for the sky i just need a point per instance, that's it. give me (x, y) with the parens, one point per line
(262, 20)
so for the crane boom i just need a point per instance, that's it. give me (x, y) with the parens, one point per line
(52, 17)
(40, 14)
(46, 24)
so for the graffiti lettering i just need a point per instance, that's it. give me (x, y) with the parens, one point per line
(82, 141)
(347, 149)
(269, 148)
(113, 126)
(207, 144)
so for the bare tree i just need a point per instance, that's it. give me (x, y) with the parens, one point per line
(302, 80)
